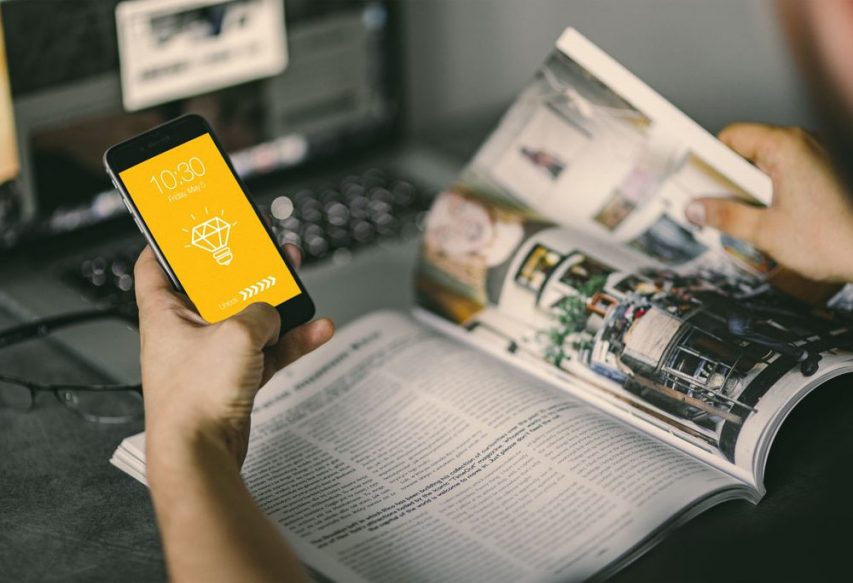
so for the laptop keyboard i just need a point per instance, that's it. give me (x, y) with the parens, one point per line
(328, 222)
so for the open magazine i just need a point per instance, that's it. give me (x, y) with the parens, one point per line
(585, 369)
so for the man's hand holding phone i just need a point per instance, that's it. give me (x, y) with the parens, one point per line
(200, 379)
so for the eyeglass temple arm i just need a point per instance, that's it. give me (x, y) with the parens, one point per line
(39, 328)
(69, 387)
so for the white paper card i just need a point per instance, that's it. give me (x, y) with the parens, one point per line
(172, 49)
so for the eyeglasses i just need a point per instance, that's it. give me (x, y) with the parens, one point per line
(102, 403)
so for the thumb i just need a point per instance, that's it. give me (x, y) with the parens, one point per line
(736, 219)
(297, 343)
(258, 323)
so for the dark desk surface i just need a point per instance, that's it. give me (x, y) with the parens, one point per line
(67, 515)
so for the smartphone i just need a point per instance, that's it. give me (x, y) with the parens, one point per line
(183, 193)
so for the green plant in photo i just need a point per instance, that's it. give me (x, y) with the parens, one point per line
(571, 315)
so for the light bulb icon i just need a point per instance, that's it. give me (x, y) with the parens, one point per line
(212, 236)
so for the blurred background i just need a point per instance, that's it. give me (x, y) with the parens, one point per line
(344, 116)
(719, 61)
(444, 66)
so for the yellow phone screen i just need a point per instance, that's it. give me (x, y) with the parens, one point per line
(208, 231)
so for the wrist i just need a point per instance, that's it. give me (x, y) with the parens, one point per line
(179, 451)
(193, 428)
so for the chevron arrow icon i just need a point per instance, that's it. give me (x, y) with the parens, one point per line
(257, 287)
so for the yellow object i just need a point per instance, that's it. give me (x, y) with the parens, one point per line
(9, 163)
(208, 231)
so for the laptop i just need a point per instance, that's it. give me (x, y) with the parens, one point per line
(311, 118)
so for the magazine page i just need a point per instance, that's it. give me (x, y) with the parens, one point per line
(587, 145)
(564, 247)
(704, 360)
(397, 454)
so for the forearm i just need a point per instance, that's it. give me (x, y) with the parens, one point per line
(211, 528)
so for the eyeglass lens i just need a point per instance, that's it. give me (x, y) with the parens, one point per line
(103, 406)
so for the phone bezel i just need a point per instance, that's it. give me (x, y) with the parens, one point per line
(162, 138)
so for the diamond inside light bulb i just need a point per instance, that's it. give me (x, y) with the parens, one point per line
(212, 236)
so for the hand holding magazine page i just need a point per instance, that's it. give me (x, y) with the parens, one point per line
(564, 248)
(587, 370)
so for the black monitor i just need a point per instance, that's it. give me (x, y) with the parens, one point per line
(71, 99)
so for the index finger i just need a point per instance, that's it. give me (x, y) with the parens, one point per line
(754, 141)
(150, 280)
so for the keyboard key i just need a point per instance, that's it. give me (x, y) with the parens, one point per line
(404, 194)
(339, 237)
(316, 246)
(379, 207)
(311, 214)
(329, 196)
(281, 208)
(386, 225)
(337, 214)
(353, 191)
(362, 231)
(378, 194)
(124, 282)
(98, 279)
(119, 267)
(289, 237)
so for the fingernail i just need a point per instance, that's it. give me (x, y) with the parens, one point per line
(695, 213)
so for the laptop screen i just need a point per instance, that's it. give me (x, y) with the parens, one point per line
(282, 83)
